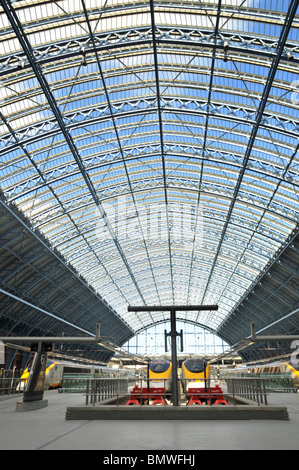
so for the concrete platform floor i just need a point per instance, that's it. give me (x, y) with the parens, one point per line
(47, 429)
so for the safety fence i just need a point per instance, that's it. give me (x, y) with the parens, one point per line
(127, 391)
(9, 382)
(145, 392)
(253, 389)
(99, 390)
(148, 392)
(275, 382)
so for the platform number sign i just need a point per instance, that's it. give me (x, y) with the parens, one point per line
(295, 355)
(2, 353)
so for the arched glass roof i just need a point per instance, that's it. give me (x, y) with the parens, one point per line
(196, 340)
(154, 144)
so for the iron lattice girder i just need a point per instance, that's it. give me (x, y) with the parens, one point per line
(112, 189)
(239, 44)
(250, 200)
(272, 122)
(227, 265)
(136, 245)
(254, 250)
(190, 153)
(132, 107)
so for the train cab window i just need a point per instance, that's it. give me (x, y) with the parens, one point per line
(159, 367)
(196, 366)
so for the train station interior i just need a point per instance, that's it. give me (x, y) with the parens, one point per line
(149, 226)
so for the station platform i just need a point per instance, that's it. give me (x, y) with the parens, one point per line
(47, 429)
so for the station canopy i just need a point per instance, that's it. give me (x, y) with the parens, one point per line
(154, 144)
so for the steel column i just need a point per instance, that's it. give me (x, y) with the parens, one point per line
(173, 309)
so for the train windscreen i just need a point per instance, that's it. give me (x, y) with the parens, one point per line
(196, 366)
(159, 367)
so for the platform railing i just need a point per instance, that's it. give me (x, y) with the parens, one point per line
(146, 392)
(121, 391)
(253, 389)
(9, 382)
(102, 389)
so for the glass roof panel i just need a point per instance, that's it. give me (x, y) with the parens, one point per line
(160, 158)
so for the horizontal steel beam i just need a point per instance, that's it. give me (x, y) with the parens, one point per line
(36, 307)
(172, 307)
(53, 339)
(271, 338)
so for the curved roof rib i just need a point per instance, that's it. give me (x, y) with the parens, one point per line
(154, 144)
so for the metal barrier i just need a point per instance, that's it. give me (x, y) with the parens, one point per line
(9, 382)
(253, 389)
(275, 382)
(99, 389)
(125, 391)
(149, 392)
